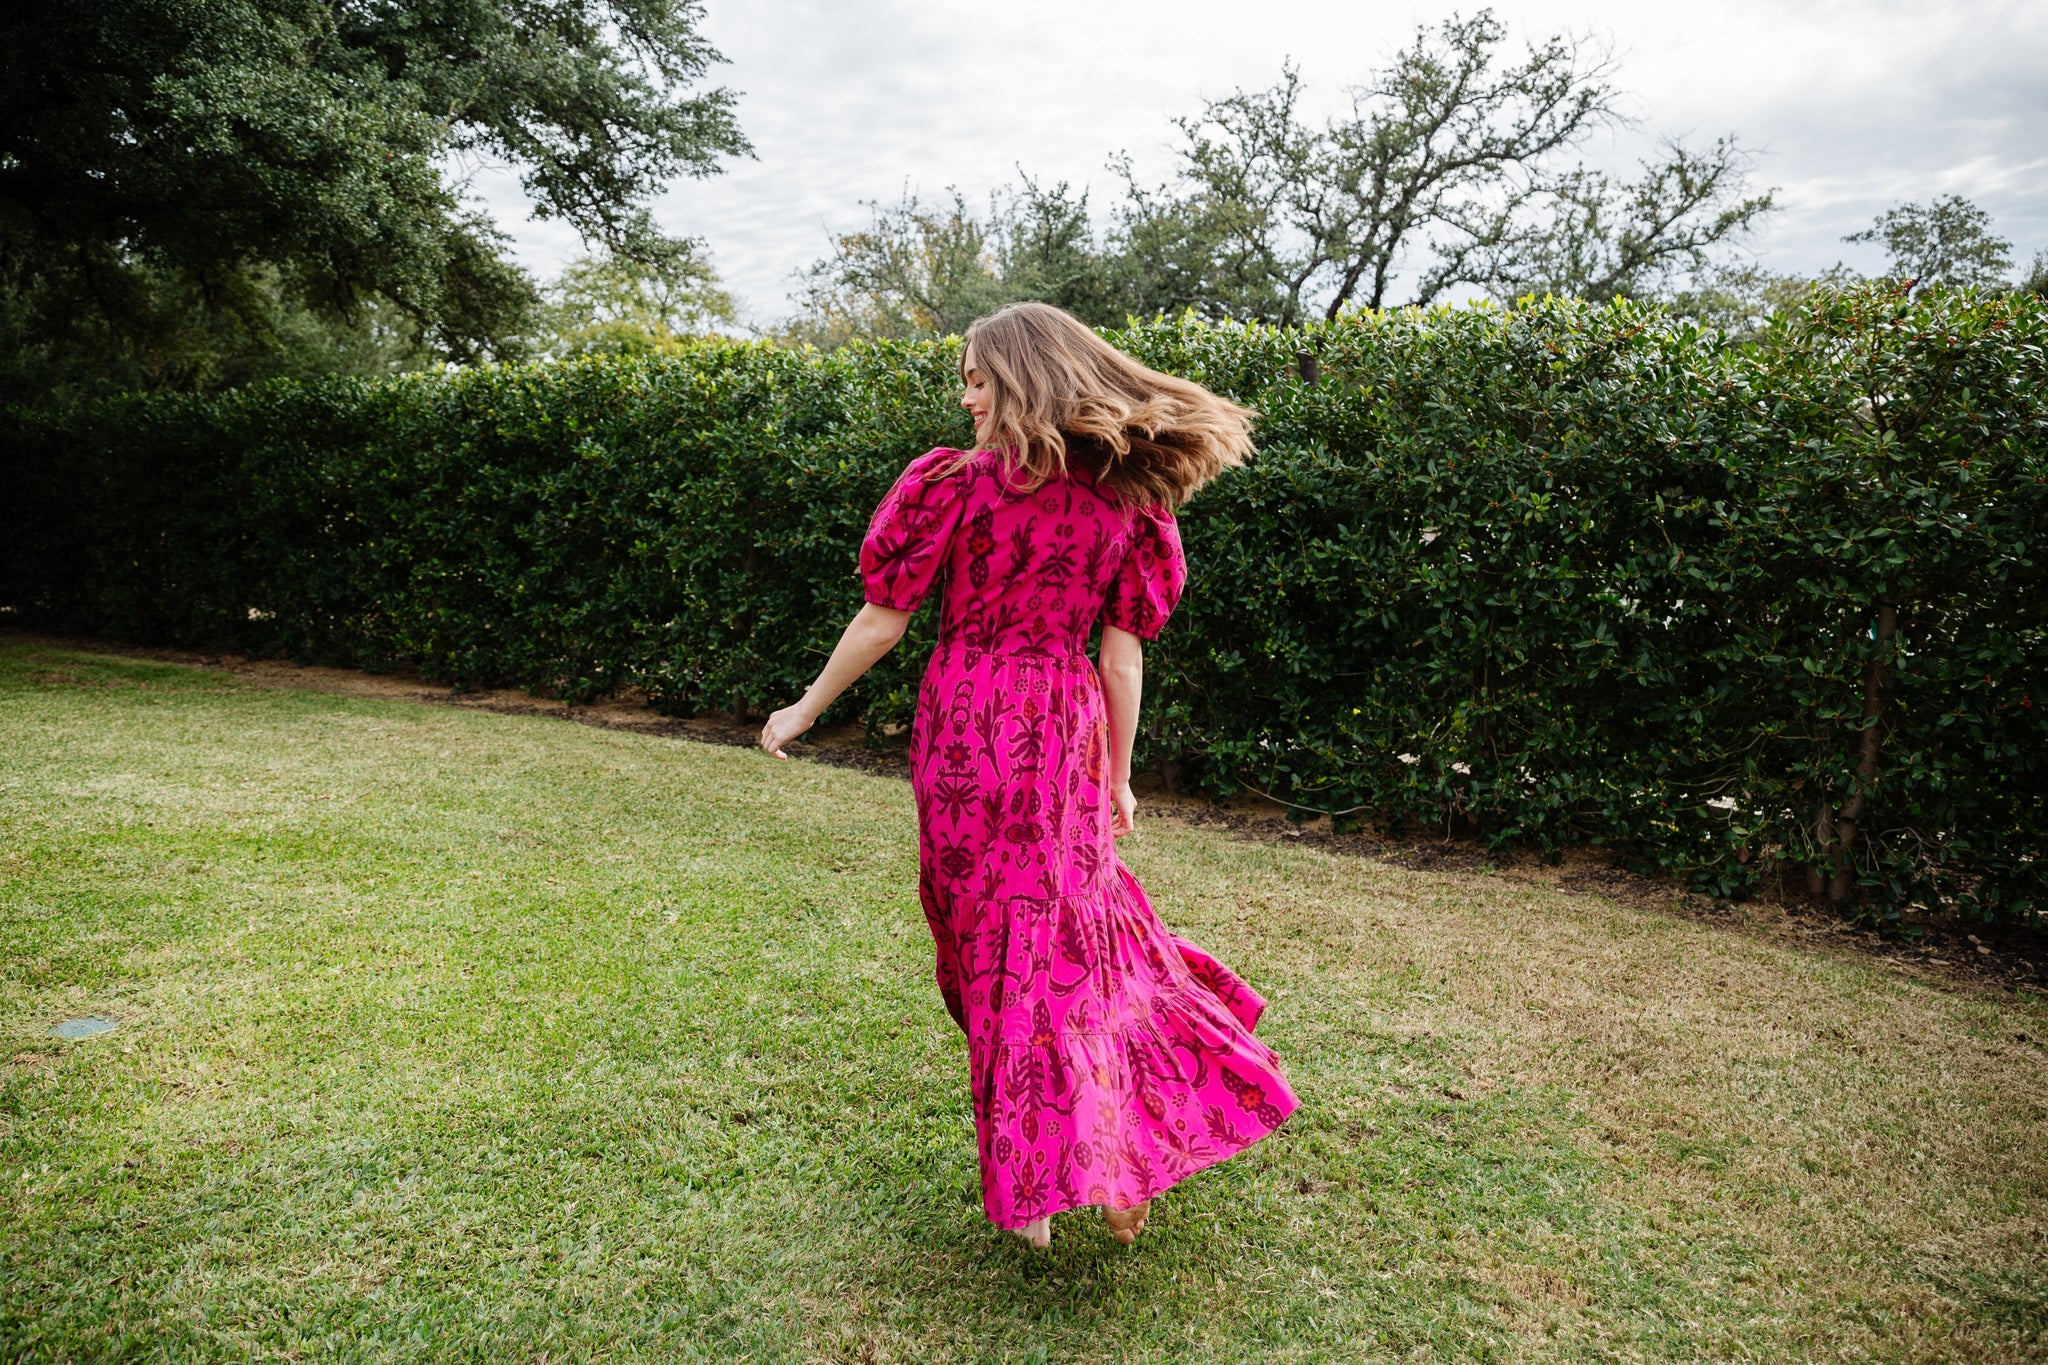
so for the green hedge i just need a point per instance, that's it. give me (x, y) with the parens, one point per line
(1556, 575)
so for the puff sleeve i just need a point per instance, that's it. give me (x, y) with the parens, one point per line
(1148, 585)
(912, 530)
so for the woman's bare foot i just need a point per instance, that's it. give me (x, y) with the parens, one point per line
(1126, 1224)
(1037, 1232)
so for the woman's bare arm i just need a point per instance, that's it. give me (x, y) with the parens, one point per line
(1121, 663)
(872, 633)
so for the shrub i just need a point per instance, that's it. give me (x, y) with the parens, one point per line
(1560, 574)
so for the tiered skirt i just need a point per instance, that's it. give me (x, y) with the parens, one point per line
(1109, 1058)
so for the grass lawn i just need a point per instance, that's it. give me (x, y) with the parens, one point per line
(454, 1036)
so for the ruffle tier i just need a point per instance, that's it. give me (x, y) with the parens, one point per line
(1110, 1059)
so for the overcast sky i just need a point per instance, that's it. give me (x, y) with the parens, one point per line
(1852, 105)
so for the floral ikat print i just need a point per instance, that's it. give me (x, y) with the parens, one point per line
(1108, 1058)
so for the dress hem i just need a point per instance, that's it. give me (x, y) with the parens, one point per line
(1155, 1191)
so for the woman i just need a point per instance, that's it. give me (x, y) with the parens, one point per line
(1109, 1059)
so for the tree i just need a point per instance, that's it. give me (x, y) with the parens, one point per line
(167, 334)
(2036, 280)
(1592, 238)
(608, 305)
(1250, 222)
(1946, 241)
(1449, 154)
(1046, 249)
(1739, 300)
(151, 150)
(919, 270)
(916, 270)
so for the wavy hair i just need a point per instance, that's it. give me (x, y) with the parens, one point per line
(1063, 398)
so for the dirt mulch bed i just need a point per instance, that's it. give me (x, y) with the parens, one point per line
(2001, 960)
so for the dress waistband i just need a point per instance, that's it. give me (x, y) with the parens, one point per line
(954, 647)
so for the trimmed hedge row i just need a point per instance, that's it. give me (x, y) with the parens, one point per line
(1561, 574)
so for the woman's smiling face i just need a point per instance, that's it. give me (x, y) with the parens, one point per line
(978, 398)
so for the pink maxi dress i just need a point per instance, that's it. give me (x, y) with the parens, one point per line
(1109, 1058)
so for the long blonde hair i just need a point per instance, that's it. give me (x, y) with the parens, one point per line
(1062, 397)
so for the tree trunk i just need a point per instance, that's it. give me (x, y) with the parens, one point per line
(1823, 843)
(1842, 884)
(746, 618)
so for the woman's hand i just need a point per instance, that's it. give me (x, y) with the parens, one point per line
(1123, 814)
(784, 726)
(871, 634)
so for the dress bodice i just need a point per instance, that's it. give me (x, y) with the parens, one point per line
(1024, 572)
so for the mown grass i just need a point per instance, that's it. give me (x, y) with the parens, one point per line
(452, 1036)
